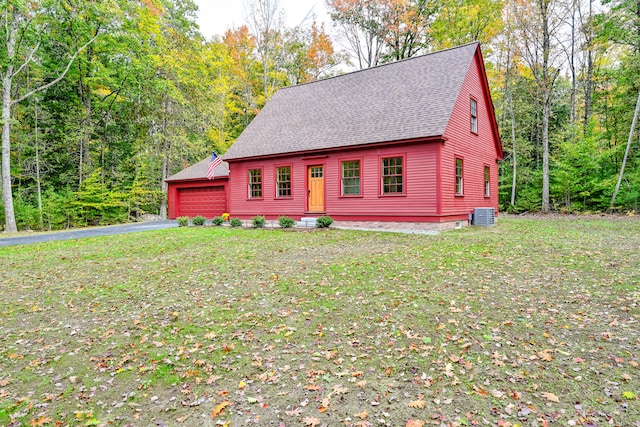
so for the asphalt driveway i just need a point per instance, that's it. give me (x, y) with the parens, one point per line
(81, 233)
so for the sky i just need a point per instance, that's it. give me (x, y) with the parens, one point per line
(217, 16)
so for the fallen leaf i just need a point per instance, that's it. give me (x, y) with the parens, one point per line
(419, 404)
(40, 421)
(497, 393)
(219, 408)
(545, 356)
(295, 412)
(415, 423)
(311, 421)
(362, 414)
(550, 397)
(338, 389)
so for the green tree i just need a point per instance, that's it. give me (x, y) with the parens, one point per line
(22, 36)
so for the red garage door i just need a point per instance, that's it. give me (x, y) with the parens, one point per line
(205, 201)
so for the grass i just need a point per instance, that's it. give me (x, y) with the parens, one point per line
(532, 322)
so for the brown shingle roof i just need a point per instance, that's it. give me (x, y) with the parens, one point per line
(199, 171)
(408, 99)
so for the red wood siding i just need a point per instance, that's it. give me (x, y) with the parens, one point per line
(240, 205)
(206, 198)
(476, 150)
(418, 203)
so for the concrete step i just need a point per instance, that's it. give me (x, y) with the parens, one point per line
(307, 222)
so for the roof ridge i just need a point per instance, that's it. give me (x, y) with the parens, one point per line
(381, 65)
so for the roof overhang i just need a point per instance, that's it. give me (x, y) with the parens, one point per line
(218, 178)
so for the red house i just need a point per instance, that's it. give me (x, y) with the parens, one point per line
(415, 140)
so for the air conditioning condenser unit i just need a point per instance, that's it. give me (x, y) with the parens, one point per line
(484, 216)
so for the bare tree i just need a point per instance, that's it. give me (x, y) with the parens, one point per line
(363, 24)
(266, 23)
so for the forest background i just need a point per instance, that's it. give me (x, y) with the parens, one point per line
(103, 100)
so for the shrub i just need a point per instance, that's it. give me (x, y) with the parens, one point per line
(235, 222)
(27, 214)
(217, 221)
(183, 221)
(286, 222)
(198, 220)
(324, 221)
(59, 210)
(259, 221)
(98, 204)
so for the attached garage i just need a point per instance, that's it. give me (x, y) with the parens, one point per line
(191, 193)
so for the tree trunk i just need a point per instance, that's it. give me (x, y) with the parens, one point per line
(164, 186)
(572, 64)
(545, 82)
(165, 155)
(588, 84)
(515, 162)
(7, 79)
(545, 157)
(7, 195)
(626, 152)
(36, 142)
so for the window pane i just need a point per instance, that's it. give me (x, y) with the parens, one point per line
(459, 182)
(283, 178)
(351, 178)
(487, 181)
(392, 175)
(474, 116)
(255, 183)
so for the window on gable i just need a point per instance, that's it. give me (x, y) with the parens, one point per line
(487, 181)
(459, 178)
(392, 175)
(351, 178)
(255, 183)
(474, 116)
(283, 181)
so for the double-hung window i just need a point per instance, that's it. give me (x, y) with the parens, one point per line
(351, 178)
(459, 177)
(255, 183)
(487, 181)
(283, 181)
(474, 116)
(392, 176)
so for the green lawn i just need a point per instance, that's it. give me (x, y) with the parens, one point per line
(531, 322)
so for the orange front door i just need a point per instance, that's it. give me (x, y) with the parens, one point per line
(315, 192)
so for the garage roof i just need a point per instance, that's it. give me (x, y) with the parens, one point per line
(198, 171)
